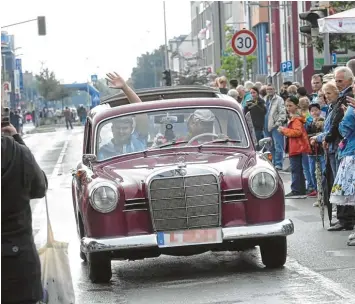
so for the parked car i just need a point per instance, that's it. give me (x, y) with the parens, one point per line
(176, 174)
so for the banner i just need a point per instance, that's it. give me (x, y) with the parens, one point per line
(18, 67)
(4, 39)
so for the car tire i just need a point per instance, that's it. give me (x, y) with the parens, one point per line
(99, 265)
(274, 252)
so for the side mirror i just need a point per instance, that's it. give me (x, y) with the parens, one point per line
(263, 142)
(88, 159)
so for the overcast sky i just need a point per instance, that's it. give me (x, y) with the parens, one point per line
(87, 37)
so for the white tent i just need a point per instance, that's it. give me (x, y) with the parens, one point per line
(341, 23)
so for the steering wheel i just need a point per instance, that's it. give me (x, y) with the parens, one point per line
(201, 135)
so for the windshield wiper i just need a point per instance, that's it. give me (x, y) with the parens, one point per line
(221, 141)
(173, 143)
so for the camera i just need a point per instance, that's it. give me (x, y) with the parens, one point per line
(5, 117)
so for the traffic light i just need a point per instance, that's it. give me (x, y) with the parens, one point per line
(312, 17)
(41, 22)
(167, 78)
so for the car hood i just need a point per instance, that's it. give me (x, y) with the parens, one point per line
(134, 171)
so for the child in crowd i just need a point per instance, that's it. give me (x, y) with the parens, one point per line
(311, 186)
(304, 108)
(323, 104)
(313, 129)
(297, 143)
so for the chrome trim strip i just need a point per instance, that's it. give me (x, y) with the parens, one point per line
(145, 209)
(184, 207)
(94, 149)
(235, 189)
(186, 196)
(235, 201)
(233, 194)
(283, 228)
(135, 204)
(185, 186)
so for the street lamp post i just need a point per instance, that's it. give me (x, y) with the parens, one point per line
(166, 41)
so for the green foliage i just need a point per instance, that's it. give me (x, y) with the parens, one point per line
(337, 41)
(148, 72)
(104, 90)
(189, 77)
(49, 87)
(232, 64)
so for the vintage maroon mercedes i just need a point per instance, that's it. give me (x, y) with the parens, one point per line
(176, 174)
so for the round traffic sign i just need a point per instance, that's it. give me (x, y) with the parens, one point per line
(244, 42)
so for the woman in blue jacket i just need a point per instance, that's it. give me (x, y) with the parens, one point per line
(343, 191)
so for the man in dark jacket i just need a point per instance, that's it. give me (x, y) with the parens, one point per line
(344, 79)
(21, 180)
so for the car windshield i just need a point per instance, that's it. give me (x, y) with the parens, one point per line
(172, 128)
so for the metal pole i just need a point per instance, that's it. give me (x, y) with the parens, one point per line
(244, 57)
(166, 41)
(326, 49)
(270, 38)
(285, 29)
(289, 12)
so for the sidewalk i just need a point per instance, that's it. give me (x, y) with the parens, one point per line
(30, 129)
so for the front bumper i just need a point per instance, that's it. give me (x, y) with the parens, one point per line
(283, 228)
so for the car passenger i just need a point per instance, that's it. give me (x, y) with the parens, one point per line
(125, 139)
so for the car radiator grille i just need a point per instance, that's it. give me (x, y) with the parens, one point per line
(189, 202)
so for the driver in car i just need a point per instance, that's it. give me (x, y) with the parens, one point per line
(125, 139)
(200, 122)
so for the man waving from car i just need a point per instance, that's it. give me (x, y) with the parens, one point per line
(128, 133)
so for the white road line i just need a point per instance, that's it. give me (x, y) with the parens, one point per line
(321, 280)
(59, 163)
(39, 212)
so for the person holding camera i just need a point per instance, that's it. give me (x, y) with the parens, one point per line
(21, 180)
(256, 107)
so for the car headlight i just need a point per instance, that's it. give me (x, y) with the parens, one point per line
(263, 183)
(104, 197)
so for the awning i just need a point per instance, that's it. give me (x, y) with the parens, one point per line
(341, 23)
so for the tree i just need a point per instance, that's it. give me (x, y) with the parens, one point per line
(104, 90)
(49, 87)
(232, 64)
(192, 77)
(337, 41)
(148, 72)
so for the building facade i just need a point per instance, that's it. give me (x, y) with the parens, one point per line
(9, 90)
(276, 26)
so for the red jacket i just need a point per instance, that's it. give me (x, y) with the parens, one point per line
(297, 138)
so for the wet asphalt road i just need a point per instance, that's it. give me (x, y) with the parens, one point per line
(320, 267)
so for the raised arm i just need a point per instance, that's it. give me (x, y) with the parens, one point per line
(117, 82)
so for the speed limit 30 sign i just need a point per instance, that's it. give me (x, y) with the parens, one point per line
(244, 42)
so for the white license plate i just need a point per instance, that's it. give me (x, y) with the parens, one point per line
(189, 237)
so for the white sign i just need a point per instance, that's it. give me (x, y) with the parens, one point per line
(244, 42)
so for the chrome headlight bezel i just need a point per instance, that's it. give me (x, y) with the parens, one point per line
(254, 174)
(95, 187)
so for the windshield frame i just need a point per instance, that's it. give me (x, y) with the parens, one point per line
(98, 126)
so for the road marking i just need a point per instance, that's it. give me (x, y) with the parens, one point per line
(39, 212)
(59, 163)
(320, 280)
